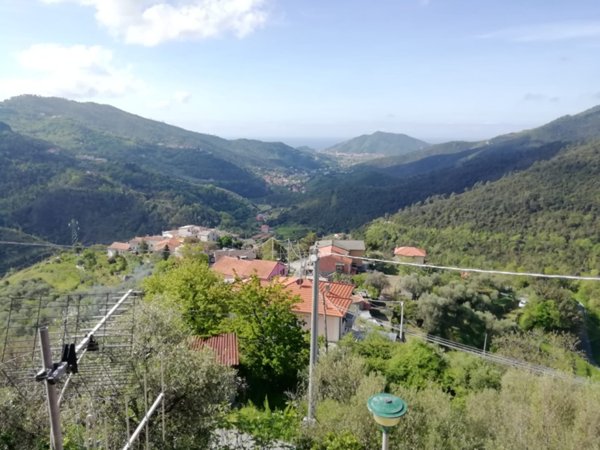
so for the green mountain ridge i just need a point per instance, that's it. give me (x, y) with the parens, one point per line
(547, 216)
(45, 187)
(108, 131)
(378, 187)
(380, 143)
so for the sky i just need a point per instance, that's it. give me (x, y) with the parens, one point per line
(312, 72)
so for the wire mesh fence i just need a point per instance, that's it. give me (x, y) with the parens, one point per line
(69, 319)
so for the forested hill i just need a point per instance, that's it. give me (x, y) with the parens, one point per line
(106, 131)
(544, 218)
(340, 202)
(380, 143)
(44, 187)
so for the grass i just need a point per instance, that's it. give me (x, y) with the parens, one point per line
(69, 272)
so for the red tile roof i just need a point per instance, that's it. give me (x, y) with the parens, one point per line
(337, 296)
(410, 252)
(225, 346)
(244, 268)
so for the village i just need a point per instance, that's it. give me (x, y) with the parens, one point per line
(340, 303)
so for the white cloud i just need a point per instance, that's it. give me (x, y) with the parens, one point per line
(151, 22)
(558, 31)
(178, 98)
(76, 71)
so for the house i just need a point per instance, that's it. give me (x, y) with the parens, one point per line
(152, 243)
(225, 346)
(170, 233)
(334, 304)
(410, 254)
(330, 264)
(234, 253)
(232, 268)
(188, 231)
(171, 243)
(203, 234)
(352, 250)
(118, 248)
(207, 235)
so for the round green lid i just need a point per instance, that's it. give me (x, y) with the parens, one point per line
(386, 405)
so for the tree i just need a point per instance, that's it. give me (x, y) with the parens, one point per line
(415, 364)
(272, 250)
(541, 314)
(416, 285)
(273, 345)
(197, 389)
(166, 253)
(378, 281)
(143, 247)
(307, 242)
(202, 296)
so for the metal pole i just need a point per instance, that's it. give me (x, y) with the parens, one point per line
(102, 321)
(162, 388)
(385, 440)
(484, 343)
(402, 321)
(314, 332)
(144, 421)
(53, 410)
(146, 407)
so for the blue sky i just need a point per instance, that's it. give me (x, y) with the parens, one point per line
(312, 71)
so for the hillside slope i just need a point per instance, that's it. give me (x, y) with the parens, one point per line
(107, 132)
(544, 218)
(380, 143)
(342, 201)
(45, 187)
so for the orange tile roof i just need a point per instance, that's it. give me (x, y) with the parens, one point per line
(173, 243)
(410, 252)
(244, 268)
(337, 296)
(225, 346)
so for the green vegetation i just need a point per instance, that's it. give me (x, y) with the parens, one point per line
(544, 218)
(380, 143)
(273, 346)
(69, 271)
(44, 188)
(197, 394)
(14, 257)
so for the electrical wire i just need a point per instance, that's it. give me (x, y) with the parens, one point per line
(468, 269)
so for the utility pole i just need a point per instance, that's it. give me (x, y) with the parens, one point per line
(402, 321)
(53, 409)
(314, 332)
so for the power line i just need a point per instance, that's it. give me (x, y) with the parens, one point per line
(35, 244)
(466, 269)
(492, 357)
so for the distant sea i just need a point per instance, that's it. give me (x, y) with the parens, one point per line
(314, 143)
